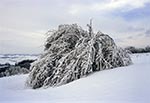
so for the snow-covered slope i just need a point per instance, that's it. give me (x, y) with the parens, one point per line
(129, 84)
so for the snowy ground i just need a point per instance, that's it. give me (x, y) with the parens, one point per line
(120, 85)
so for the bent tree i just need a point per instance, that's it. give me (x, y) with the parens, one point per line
(71, 53)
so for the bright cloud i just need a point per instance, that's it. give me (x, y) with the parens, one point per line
(106, 6)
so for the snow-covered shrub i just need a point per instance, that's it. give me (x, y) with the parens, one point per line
(71, 53)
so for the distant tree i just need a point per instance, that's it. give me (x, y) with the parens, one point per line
(147, 48)
(138, 50)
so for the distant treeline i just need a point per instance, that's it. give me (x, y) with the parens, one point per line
(22, 67)
(138, 50)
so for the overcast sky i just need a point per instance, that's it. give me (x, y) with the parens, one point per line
(23, 23)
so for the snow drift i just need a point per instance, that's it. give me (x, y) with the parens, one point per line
(71, 53)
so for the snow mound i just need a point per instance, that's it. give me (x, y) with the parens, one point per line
(71, 53)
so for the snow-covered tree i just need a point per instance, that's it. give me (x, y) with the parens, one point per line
(71, 53)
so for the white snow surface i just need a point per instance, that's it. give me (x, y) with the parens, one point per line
(130, 84)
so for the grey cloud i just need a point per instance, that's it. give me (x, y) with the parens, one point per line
(130, 37)
(118, 40)
(147, 33)
(140, 34)
(131, 28)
